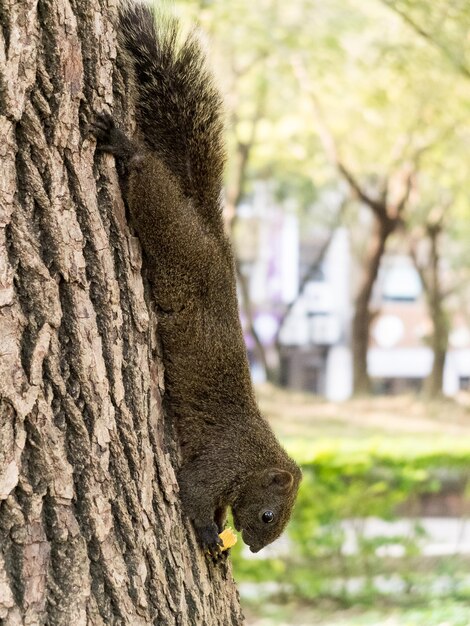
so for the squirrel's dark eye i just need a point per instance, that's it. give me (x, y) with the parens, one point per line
(267, 517)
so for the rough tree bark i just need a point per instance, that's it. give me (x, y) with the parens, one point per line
(91, 530)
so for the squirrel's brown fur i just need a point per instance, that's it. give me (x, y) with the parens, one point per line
(173, 186)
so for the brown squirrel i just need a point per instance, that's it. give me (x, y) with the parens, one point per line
(173, 186)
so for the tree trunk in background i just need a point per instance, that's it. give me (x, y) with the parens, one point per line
(433, 289)
(91, 530)
(362, 319)
(439, 342)
(387, 217)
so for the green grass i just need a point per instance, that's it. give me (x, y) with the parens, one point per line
(401, 429)
(441, 613)
(298, 415)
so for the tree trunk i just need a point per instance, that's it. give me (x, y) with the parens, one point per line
(362, 313)
(439, 343)
(91, 530)
(431, 280)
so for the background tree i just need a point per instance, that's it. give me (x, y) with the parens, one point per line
(387, 205)
(91, 530)
(426, 252)
(388, 127)
(437, 230)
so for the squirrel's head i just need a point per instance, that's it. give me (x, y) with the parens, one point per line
(263, 507)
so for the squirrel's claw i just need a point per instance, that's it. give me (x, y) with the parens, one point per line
(110, 138)
(102, 126)
(210, 540)
(221, 556)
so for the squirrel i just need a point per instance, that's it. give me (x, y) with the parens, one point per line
(172, 183)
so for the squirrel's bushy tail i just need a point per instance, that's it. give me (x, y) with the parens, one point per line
(178, 107)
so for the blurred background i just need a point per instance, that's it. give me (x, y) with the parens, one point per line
(348, 204)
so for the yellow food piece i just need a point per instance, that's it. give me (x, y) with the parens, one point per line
(229, 538)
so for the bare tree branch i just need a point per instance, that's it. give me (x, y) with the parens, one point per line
(429, 37)
(311, 271)
(407, 175)
(236, 190)
(377, 206)
(250, 318)
(420, 267)
(427, 270)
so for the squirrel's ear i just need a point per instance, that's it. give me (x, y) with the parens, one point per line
(281, 479)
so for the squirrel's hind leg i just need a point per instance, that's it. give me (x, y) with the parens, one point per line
(112, 139)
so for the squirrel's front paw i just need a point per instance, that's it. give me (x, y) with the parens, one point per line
(209, 539)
